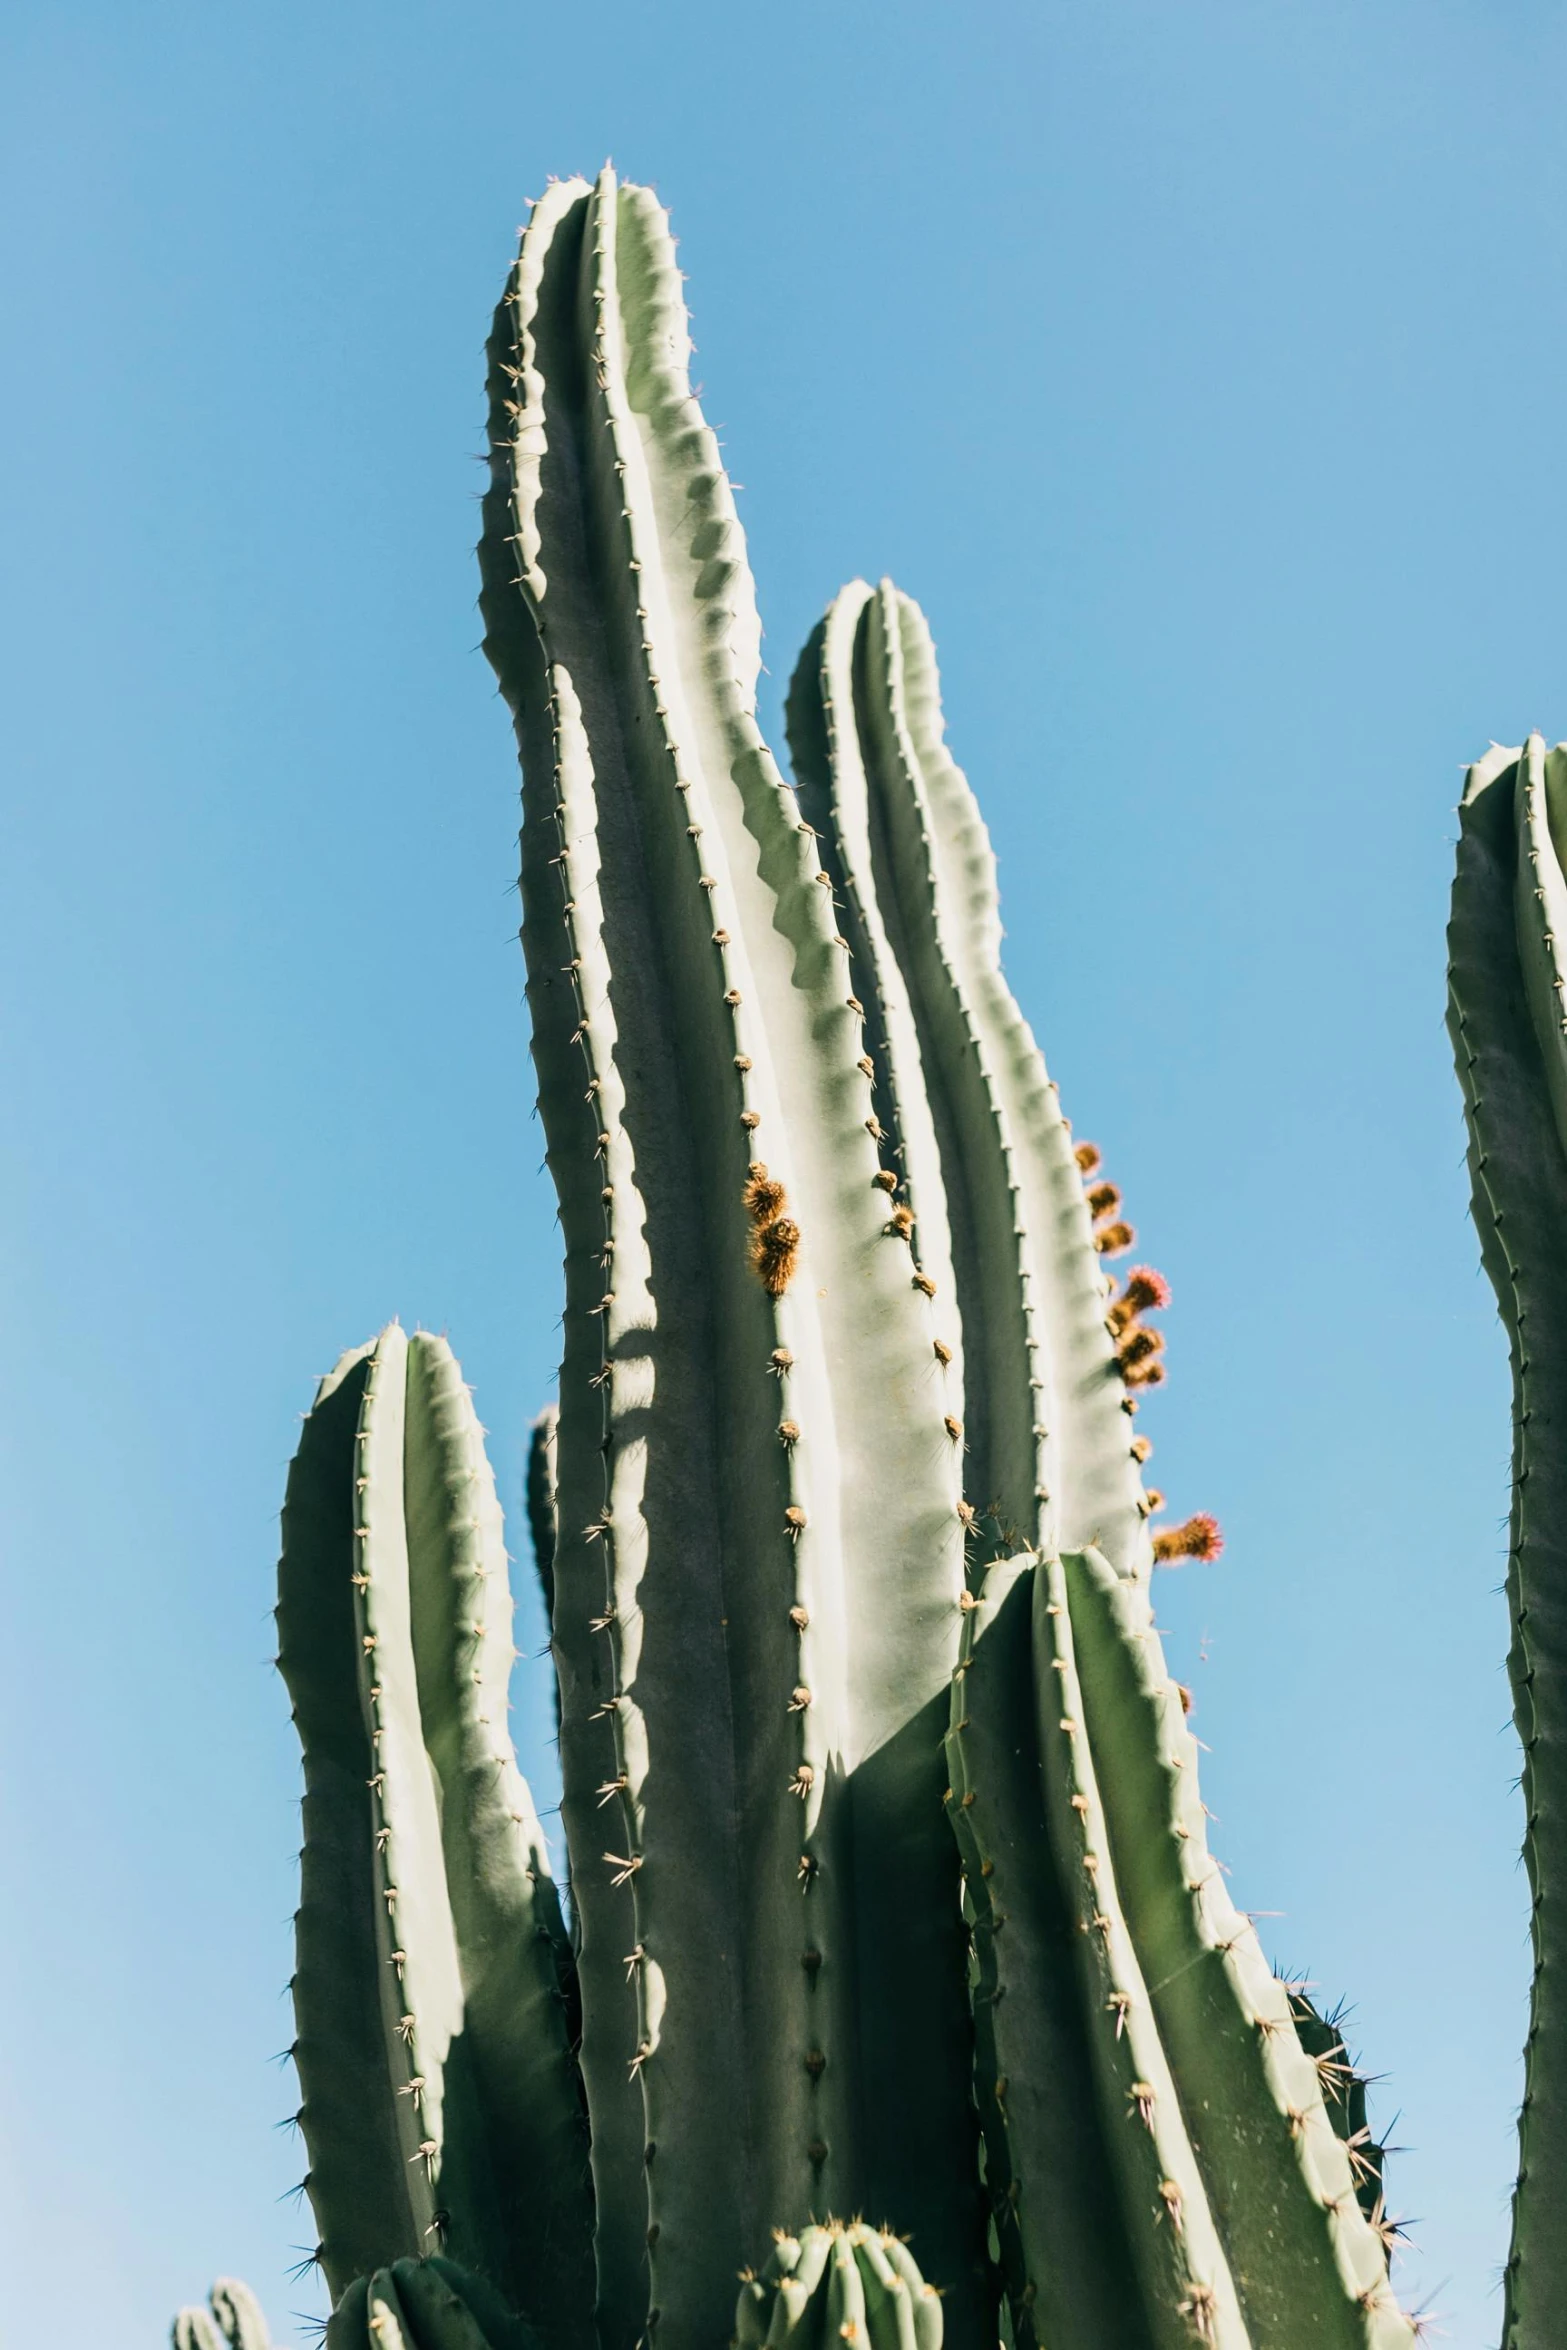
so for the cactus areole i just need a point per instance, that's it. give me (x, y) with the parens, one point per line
(890, 1894)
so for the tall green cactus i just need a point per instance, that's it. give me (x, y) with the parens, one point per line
(889, 1883)
(440, 2102)
(1508, 1019)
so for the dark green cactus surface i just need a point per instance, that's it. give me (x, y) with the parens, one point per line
(889, 1883)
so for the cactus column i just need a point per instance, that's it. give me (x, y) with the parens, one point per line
(759, 1556)
(1507, 984)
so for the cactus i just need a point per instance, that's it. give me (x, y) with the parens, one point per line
(440, 2101)
(835, 2283)
(233, 2320)
(889, 1882)
(1507, 940)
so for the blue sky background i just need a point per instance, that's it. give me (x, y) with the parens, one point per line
(1200, 370)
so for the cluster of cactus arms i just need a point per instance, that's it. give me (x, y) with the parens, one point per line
(890, 1896)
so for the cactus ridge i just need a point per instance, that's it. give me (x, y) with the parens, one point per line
(1505, 945)
(440, 2100)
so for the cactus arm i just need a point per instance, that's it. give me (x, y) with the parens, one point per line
(360, 2184)
(632, 506)
(1063, 2246)
(1520, 1210)
(525, 2153)
(1099, 1495)
(1279, 2179)
(193, 2329)
(829, 771)
(1180, 2258)
(644, 1509)
(420, 1981)
(572, 1029)
(871, 803)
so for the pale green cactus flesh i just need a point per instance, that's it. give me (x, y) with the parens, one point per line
(1507, 985)
(440, 2103)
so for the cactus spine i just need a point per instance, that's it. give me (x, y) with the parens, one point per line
(1507, 940)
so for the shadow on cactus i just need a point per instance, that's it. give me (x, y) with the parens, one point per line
(889, 1883)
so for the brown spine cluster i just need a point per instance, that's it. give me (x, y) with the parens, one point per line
(775, 1236)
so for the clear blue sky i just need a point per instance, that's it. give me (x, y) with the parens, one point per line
(1200, 369)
